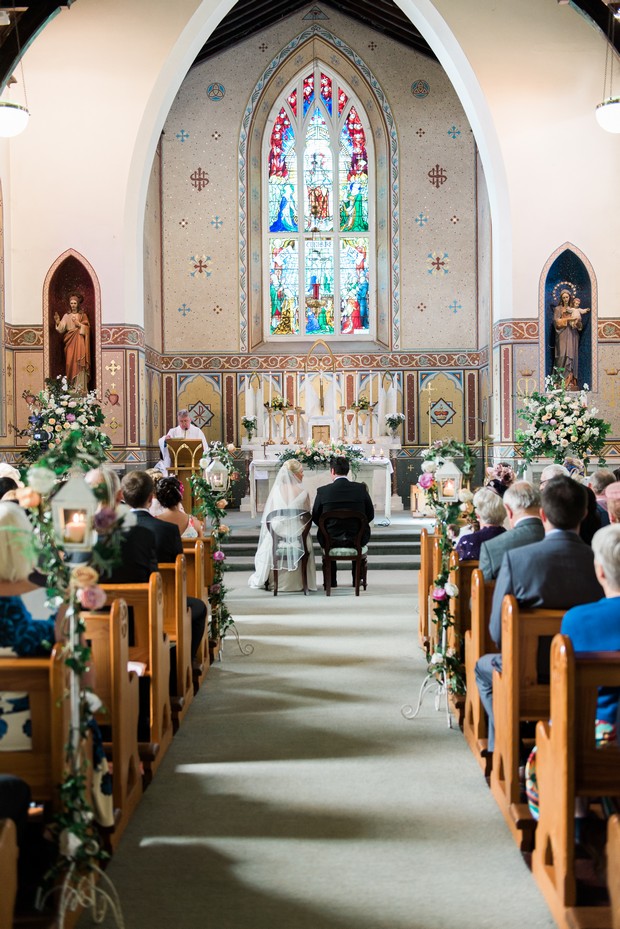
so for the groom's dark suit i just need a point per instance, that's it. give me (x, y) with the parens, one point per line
(343, 494)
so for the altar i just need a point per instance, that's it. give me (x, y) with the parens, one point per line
(376, 473)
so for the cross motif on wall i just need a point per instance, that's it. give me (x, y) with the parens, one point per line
(113, 368)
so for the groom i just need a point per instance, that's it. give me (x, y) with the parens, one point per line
(342, 494)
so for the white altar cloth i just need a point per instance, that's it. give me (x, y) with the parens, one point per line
(376, 473)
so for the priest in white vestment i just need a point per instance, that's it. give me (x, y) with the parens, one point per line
(184, 430)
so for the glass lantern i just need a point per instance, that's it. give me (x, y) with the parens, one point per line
(73, 510)
(449, 480)
(217, 476)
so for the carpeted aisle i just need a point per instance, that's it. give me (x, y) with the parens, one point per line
(296, 796)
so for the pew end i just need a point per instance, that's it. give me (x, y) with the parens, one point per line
(177, 625)
(477, 642)
(9, 854)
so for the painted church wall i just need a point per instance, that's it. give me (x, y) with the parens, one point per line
(436, 186)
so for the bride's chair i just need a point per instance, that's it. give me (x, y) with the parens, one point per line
(289, 532)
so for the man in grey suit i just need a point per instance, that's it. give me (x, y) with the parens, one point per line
(522, 501)
(556, 573)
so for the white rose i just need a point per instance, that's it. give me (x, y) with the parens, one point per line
(437, 658)
(204, 463)
(429, 466)
(41, 480)
(465, 495)
(230, 447)
(451, 589)
(72, 404)
(69, 843)
(82, 419)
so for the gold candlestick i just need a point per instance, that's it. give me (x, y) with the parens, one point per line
(343, 410)
(371, 441)
(298, 438)
(284, 440)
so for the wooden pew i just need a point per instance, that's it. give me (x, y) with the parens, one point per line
(477, 642)
(568, 765)
(46, 682)
(517, 696)
(460, 574)
(194, 551)
(107, 634)
(151, 646)
(613, 869)
(9, 854)
(178, 626)
(425, 579)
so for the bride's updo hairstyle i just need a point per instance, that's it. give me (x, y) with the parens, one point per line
(168, 492)
(294, 466)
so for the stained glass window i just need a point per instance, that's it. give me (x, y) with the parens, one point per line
(318, 197)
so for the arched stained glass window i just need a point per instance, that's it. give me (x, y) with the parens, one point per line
(319, 195)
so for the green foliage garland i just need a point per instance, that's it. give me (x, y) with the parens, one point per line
(318, 454)
(444, 449)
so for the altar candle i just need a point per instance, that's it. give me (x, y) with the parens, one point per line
(356, 387)
(270, 388)
(75, 529)
(381, 453)
(370, 387)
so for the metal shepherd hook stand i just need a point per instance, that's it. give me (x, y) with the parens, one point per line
(435, 678)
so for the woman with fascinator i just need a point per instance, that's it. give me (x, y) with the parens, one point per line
(289, 494)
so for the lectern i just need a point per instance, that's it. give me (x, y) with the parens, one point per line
(185, 455)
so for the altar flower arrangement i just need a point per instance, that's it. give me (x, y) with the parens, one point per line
(278, 403)
(318, 454)
(560, 424)
(56, 411)
(394, 420)
(445, 449)
(363, 403)
(249, 424)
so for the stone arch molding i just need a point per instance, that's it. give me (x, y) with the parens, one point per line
(579, 260)
(71, 271)
(316, 43)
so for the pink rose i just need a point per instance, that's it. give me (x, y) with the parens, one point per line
(215, 589)
(219, 556)
(92, 598)
(426, 480)
(439, 593)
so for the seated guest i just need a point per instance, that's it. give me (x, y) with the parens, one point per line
(501, 477)
(138, 558)
(575, 468)
(552, 470)
(169, 496)
(522, 502)
(21, 635)
(556, 573)
(612, 496)
(490, 513)
(137, 487)
(7, 484)
(592, 521)
(7, 470)
(593, 627)
(598, 482)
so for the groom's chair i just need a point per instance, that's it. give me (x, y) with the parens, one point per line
(294, 545)
(342, 532)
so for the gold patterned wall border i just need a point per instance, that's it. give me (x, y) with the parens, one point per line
(609, 330)
(23, 336)
(515, 330)
(349, 362)
(122, 336)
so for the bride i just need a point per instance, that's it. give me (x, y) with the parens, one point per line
(287, 493)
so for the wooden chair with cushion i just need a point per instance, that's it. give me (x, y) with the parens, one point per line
(303, 519)
(335, 551)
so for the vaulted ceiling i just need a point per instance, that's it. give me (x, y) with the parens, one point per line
(249, 17)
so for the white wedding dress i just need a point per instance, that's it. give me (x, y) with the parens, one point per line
(286, 494)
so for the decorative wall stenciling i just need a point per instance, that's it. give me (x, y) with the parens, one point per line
(199, 179)
(216, 92)
(453, 132)
(184, 309)
(217, 223)
(438, 263)
(199, 265)
(420, 89)
(437, 176)
(441, 413)
(421, 220)
(182, 136)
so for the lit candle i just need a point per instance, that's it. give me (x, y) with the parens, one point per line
(75, 529)
(270, 389)
(356, 387)
(448, 488)
(370, 387)
(381, 453)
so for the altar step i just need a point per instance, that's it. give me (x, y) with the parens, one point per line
(389, 549)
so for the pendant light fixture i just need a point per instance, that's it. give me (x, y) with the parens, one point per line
(14, 116)
(608, 112)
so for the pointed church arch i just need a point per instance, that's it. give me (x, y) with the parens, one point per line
(326, 58)
(71, 274)
(568, 270)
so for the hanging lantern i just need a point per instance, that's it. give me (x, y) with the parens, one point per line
(73, 510)
(217, 476)
(449, 480)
